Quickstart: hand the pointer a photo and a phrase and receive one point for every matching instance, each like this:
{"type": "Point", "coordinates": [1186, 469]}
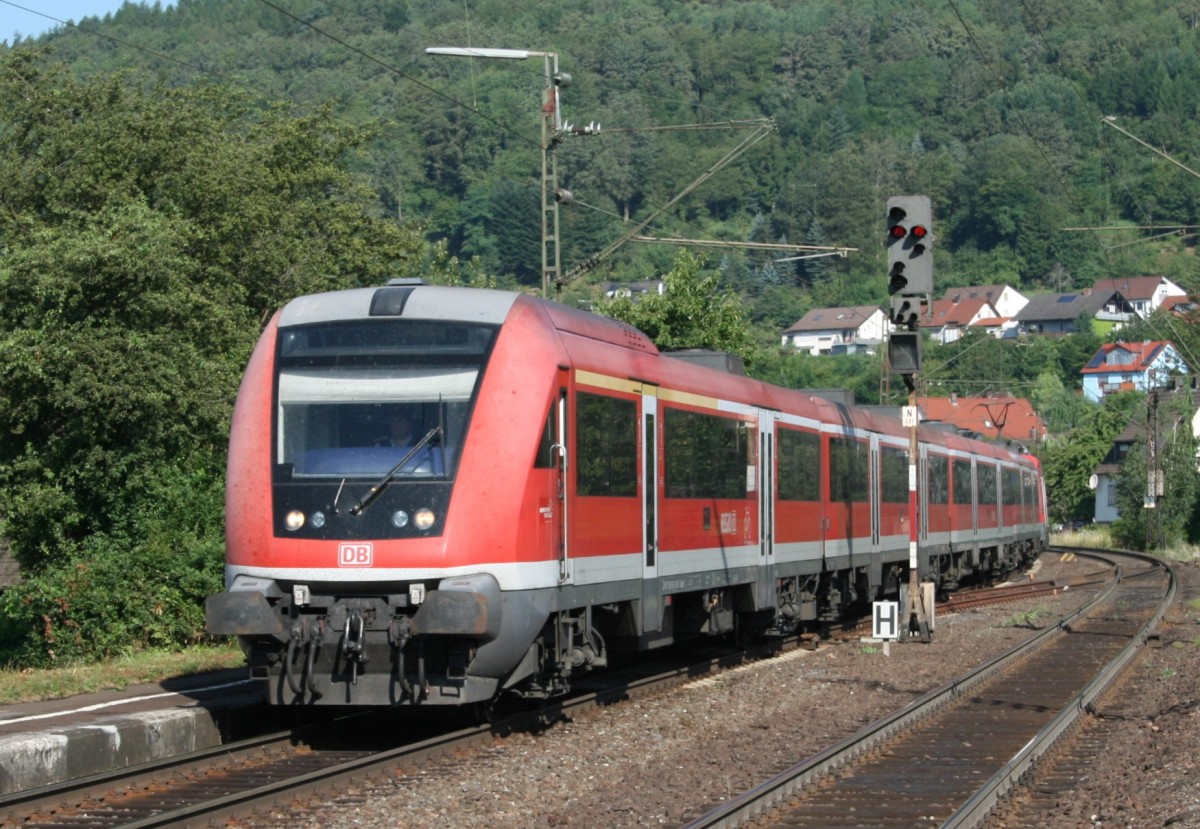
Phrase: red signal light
{"type": "Point", "coordinates": [897, 231]}
{"type": "Point", "coordinates": [919, 231]}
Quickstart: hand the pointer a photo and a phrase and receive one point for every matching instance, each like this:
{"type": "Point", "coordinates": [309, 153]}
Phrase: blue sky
{"type": "Point", "coordinates": [14, 16]}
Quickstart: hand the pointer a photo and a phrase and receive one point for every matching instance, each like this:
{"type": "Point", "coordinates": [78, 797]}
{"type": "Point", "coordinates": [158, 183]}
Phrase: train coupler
{"type": "Point", "coordinates": [353, 643]}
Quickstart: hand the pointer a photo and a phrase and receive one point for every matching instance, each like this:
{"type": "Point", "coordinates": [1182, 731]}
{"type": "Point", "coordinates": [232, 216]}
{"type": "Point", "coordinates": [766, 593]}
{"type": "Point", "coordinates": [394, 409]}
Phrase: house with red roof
{"type": "Point", "coordinates": [1179, 306]}
{"type": "Point", "coordinates": [1138, 366]}
{"type": "Point", "coordinates": [1007, 300]}
{"type": "Point", "coordinates": [1002, 328]}
{"type": "Point", "coordinates": [994, 417]}
{"type": "Point", "coordinates": [948, 318]}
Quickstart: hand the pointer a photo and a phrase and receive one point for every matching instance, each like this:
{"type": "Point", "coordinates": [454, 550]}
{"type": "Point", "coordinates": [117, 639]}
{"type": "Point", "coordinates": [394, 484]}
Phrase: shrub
{"type": "Point", "coordinates": [143, 586]}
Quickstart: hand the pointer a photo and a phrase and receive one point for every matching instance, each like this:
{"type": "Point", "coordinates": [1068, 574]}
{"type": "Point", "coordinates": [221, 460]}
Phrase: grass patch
{"type": "Point", "coordinates": [1026, 618]}
{"type": "Point", "coordinates": [146, 666]}
{"type": "Point", "coordinates": [1099, 536]}
{"type": "Point", "coordinates": [1093, 535]}
{"type": "Point", "coordinates": [1180, 551]}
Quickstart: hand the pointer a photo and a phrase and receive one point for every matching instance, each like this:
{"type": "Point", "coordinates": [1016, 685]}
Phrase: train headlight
{"type": "Point", "coordinates": [399, 519]}
{"type": "Point", "coordinates": [423, 519]}
{"type": "Point", "coordinates": [294, 520]}
{"type": "Point", "coordinates": [318, 519]}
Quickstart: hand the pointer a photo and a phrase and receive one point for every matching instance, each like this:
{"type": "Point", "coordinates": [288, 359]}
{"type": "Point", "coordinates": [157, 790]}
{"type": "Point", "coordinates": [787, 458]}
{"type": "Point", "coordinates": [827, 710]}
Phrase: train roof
{"type": "Point", "coordinates": [431, 302]}
{"type": "Point", "coordinates": [410, 298]}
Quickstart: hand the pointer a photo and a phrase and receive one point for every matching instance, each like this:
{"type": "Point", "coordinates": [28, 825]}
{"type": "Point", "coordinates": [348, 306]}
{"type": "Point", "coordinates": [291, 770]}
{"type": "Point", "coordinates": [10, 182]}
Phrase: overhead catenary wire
{"type": "Point", "coordinates": [759, 134]}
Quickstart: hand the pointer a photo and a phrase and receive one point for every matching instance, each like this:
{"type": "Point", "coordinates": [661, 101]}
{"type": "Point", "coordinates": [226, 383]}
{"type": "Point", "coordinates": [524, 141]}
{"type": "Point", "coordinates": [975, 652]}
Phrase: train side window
{"type": "Point", "coordinates": [894, 475]}
{"type": "Point", "coordinates": [705, 456]}
{"type": "Point", "coordinates": [799, 465]}
{"type": "Point", "coordinates": [962, 483]}
{"type": "Point", "coordinates": [606, 440]}
{"type": "Point", "coordinates": [1011, 489]}
{"type": "Point", "coordinates": [938, 474]}
{"type": "Point", "coordinates": [987, 483]}
{"type": "Point", "coordinates": [848, 460]}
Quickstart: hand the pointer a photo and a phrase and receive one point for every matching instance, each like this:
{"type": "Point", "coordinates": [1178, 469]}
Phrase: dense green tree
{"type": "Point", "coordinates": [1061, 409]}
{"type": "Point", "coordinates": [149, 232]}
{"type": "Point", "coordinates": [1068, 460]}
{"type": "Point", "coordinates": [693, 312]}
{"type": "Point", "coordinates": [1165, 519]}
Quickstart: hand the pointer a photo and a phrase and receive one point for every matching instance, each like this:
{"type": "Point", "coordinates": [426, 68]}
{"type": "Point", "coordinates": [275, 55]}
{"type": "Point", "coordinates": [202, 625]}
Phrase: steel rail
{"type": "Point", "coordinates": [976, 810]}
{"type": "Point", "coordinates": [53, 800]}
{"type": "Point", "coordinates": [768, 794]}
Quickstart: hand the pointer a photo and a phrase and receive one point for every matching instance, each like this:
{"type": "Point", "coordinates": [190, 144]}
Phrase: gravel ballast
{"type": "Point", "coordinates": [658, 761]}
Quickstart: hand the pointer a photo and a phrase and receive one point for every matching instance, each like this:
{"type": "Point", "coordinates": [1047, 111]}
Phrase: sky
{"type": "Point", "coordinates": [19, 15]}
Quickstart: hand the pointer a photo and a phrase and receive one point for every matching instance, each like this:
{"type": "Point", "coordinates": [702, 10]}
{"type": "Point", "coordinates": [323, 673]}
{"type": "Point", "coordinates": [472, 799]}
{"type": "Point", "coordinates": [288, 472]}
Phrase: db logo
{"type": "Point", "coordinates": [355, 555]}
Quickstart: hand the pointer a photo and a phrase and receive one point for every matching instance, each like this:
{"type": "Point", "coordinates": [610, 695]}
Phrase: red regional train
{"type": "Point", "coordinates": [568, 491]}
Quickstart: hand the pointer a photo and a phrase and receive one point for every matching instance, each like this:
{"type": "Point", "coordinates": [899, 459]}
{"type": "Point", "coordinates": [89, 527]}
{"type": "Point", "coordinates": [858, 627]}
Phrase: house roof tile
{"type": "Point", "coordinates": [1000, 416]}
{"type": "Point", "coordinates": [1142, 356]}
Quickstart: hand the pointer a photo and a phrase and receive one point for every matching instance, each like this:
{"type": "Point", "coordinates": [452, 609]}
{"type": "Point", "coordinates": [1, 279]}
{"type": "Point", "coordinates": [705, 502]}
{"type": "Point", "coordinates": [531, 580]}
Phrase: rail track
{"type": "Point", "coordinates": [233, 781]}
{"type": "Point", "coordinates": [948, 758]}
{"type": "Point", "coordinates": [240, 779]}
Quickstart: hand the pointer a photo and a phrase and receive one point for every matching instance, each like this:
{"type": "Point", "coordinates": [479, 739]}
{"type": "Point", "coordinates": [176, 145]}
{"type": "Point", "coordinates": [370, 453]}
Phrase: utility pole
{"type": "Point", "coordinates": [1154, 474]}
{"type": "Point", "coordinates": [553, 129]}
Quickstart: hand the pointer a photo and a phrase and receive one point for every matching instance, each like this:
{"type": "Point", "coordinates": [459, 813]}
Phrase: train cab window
{"type": "Point", "coordinates": [937, 474]}
{"type": "Point", "coordinates": [962, 483]}
{"type": "Point", "coordinates": [799, 465]}
{"type": "Point", "coordinates": [546, 456]}
{"type": "Point", "coordinates": [893, 464]}
{"type": "Point", "coordinates": [353, 398]}
{"type": "Point", "coordinates": [705, 456]}
{"type": "Point", "coordinates": [848, 471]}
{"type": "Point", "coordinates": [606, 460]}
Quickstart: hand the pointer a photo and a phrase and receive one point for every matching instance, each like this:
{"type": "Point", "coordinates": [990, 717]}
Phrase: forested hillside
{"type": "Point", "coordinates": [172, 175]}
{"type": "Point", "coordinates": [994, 110]}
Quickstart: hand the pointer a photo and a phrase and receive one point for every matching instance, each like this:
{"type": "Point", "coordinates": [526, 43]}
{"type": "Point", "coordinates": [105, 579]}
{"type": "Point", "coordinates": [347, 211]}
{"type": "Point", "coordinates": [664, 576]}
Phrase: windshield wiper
{"type": "Point", "coordinates": [375, 490]}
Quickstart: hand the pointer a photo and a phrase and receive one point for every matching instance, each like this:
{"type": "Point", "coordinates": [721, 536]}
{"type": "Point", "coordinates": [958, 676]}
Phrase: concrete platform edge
{"type": "Point", "coordinates": [57, 754]}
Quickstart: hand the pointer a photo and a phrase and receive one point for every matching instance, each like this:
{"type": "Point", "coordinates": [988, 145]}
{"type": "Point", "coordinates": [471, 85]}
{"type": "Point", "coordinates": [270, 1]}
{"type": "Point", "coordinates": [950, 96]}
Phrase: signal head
{"type": "Point", "coordinates": [909, 246]}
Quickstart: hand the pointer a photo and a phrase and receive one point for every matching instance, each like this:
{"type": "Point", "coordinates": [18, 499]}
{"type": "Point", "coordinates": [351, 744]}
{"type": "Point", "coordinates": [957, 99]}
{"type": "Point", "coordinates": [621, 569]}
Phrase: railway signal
{"type": "Point", "coordinates": [910, 285]}
{"type": "Point", "coordinates": [910, 277]}
{"type": "Point", "coordinates": [910, 246]}
{"type": "Point", "coordinates": [904, 352]}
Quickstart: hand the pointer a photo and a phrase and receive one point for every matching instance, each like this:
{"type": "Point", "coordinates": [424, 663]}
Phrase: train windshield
{"type": "Point", "coordinates": [373, 397]}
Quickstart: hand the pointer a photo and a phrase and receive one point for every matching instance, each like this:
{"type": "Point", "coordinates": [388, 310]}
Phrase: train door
{"type": "Point", "coordinates": [652, 600]}
{"type": "Point", "coordinates": [923, 495]}
{"type": "Point", "coordinates": [559, 523]}
{"type": "Point", "coordinates": [974, 501]}
{"type": "Point", "coordinates": [875, 490]}
{"type": "Point", "coordinates": [765, 583]}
